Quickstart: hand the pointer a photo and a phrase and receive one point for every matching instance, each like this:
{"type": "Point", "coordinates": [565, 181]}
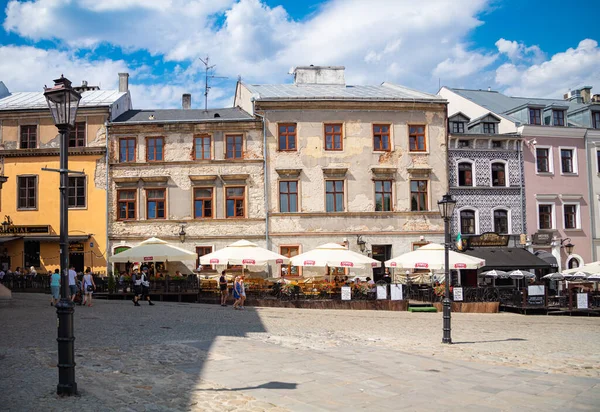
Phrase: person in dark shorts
{"type": "Point", "coordinates": [143, 290]}
{"type": "Point", "coordinates": [223, 288]}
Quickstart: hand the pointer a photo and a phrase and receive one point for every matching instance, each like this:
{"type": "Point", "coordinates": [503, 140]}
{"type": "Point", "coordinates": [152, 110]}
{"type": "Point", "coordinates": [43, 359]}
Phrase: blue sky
{"type": "Point", "coordinates": [519, 47]}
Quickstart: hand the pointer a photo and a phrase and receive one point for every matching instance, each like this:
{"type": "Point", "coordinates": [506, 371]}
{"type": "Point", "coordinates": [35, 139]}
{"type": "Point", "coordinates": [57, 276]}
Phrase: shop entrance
{"type": "Point", "coordinates": [381, 253]}
{"type": "Point", "coordinates": [76, 259]}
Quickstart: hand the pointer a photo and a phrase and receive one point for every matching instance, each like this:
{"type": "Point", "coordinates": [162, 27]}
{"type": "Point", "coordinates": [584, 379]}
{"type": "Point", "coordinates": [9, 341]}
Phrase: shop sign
{"type": "Point", "coordinates": [542, 238]}
{"type": "Point", "coordinates": [489, 239]}
{"type": "Point", "coordinates": [25, 230]}
{"type": "Point", "coordinates": [535, 300]}
{"type": "Point", "coordinates": [148, 258]}
{"type": "Point", "coordinates": [76, 247]}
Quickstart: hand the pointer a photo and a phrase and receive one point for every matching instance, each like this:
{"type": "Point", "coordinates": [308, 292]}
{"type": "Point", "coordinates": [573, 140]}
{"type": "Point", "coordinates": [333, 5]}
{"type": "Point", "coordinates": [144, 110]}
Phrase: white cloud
{"type": "Point", "coordinates": [552, 78]}
{"type": "Point", "coordinates": [463, 63]}
{"type": "Point", "coordinates": [519, 51]}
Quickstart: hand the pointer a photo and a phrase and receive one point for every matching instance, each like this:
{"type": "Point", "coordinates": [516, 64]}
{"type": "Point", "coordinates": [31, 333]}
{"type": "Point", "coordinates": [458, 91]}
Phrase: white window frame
{"type": "Point", "coordinates": [550, 160]}
{"type": "Point", "coordinates": [577, 215]}
{"type": "Point", "coordinates": [552, 219]}
{"type": "Point", "coordinates": [575, 165]}
{"type": "Point", "coordinates": [509, 218]}
{"type": "Point", "coordinates": [458, 219]}
{"type": "Point", "coordinates": [506, 177]}
{"type": "Point", "coordinates": [473, 175]}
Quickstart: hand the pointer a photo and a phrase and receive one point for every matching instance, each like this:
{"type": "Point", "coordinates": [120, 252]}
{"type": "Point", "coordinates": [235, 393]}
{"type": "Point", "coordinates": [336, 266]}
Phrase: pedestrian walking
{"type": "Point", "coordinates": [242, 292]}
{"type": "Point", "coordinates": [136, 280]}
{"type": "Point", "coordinates": [144, 289]}
{"type": "Point", "coordinates": [73, 282]}
{"type": "Point", "coordinates": [237, 295]}
{"type": "Point", "coordinates": [224, 289]}
{"type": "Point", "coordinates": [88, 287]}
{"type": "Point", "coordinates": [55, 287]}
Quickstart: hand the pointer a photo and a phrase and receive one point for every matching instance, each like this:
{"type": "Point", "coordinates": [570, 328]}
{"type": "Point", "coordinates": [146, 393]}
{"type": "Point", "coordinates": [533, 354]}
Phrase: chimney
{"type": "Point", "coordinates": [123, 82]}
{"type": "Point", "coordinates": [325, 75]}
{"type": "Point", "coordinates": [84, 83]}
{"type": "Point", "coordinates": [586, 94]}
{"type": "Point", "coordinates": [186, 101]}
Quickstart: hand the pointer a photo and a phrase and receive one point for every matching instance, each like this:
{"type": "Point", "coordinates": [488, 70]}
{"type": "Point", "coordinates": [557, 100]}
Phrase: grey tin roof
{"type": "Point", "coordinates": [182, 115]}
{"type": "Point", "coordinates": [36, 100]}
{"type": "Point", "coordinates": [385, 91]}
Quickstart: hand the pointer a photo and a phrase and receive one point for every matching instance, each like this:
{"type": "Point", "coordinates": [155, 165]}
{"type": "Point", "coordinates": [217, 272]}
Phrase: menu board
{"type": "Point", "coordinates": [458, 294]}
{"type": "Point", "coordinates": [346, 293]}
{"type": "Point", "coordinates": [536, 290]}
{"type": "Point", "coordinates": [396, 291]}
{"type": "Point", "coordinates": [381, 292]}
{"type": "Point", "coordinates": [582, 301]}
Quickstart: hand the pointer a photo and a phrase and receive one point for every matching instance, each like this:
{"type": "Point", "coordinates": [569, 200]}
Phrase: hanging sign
{"type": "Point", "coordinates": [381, 292]}
{"type": "Point", "coordinates": [346, 293]}
{"type": "Point", "coordinates": [396, 291]}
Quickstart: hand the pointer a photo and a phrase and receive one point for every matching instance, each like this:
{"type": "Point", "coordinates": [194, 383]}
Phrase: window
{"type": "Point", "coordinates": [598, 160]}
{"type": "Point", "coordinates": [496, 144]}
{"type": "Point", "coordinates": [542, 160]}
{"type": "Point", "coordinates": [28, 137]}
{"type": "Point", "coordinates": [234, 148]}
{"type": "Point", "coordinates": [573, 263]}
{"type": "Point", "coordinates": [289, 251]}
{"type": "Point", "coordinates": [288, 196]}
{"type": "Point", "coordinates": [416, 138]}
{"type": "Point", "coordinates": [154, 149]}
{"type": "Point", "coordinates": [126, 206]}
{"type": "Point", "coordinates": [566, 160]}
{"type": "Point", "coordinates": [467, 222]}
{"type": "Point", "coordinates": [287, 137]}
{"type": "Point", "coordinates": [203, 202]}
{"type": "Point", "coordinates": [463, 143]}
{"type": "Point", "coordinates": [383, 195]}
{"type": "Point", "coordinates": [489, 128]}
{"type": "Point", "coordinates": [501, 221]}
{"type": "Point", "coordinates": [127, 149]}
{"type": "Point", "coordinates": [545, 216]}
{"type": "Point", "coordinates": [596, 120]}
{"type": "Point", "coordinates": [570, 212]}
{"type": "Point", "coordinates": [201, 251]}
{"type": "Point", "coordinates": [457, 127]}
{"type": "Point", "coordinates": [27, 192]}
{"type": "Point", "coordinates": [202, 147]}
{"type": "Point", "coordinates": [498, 174]}
{"type": "Point", "coordinates": [465, 174]}
{"type": "Point", "coordinates": [155, 203]}
{"type": "Point", "coordinates": [77, 135]}
{"type": "Point", "coordinates": [381, 137]}
{"type": "Point", "coordinates": [535, 116]}
{"type": "Point", "coordinates": [334, 195]}
{"type": "Point", "coordinates": [234, 200]}
{"type": "Point", "coordinates": [418, 195]}
{"type": "Point", "coordinates": [76, 192]}
{"type": "Point", "coordinates": [31, 253]}
{"type": "Point", "coordinates": [558, 117]}
{"type": "Point", "coordinates": [333, 137]}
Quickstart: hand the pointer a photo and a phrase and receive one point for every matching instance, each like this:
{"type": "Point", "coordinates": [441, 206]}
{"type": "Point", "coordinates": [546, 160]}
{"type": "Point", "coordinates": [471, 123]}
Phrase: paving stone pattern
{"type": "Point", "coordinates": [191, 357]}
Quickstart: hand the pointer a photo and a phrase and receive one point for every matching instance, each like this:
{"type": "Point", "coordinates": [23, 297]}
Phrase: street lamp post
{"type": "Point", "coordinates": [446, 206]}
{"type": "Point", "coordinates": [63, 102]}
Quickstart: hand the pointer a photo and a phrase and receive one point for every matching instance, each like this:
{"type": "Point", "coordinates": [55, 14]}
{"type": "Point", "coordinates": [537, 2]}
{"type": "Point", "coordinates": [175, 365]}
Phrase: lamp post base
{"type": "Point", "coordinates": [66, 348]}
{"type": "Point", "coordinates": [447, 338]}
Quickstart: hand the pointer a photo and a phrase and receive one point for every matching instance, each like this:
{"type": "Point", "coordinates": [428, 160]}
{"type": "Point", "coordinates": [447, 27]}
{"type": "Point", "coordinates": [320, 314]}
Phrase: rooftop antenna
{"type": "Point", "coordinates": [207, 69]}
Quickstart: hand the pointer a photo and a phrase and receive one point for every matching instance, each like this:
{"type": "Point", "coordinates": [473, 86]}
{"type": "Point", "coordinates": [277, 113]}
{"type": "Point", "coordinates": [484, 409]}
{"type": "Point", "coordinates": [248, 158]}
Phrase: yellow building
{"type": "Point", "coordinates": [30, 198]}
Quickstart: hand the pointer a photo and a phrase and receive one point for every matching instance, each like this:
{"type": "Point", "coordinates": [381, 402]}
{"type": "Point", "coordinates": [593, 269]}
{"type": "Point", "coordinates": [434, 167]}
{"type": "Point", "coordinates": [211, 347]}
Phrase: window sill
{"type": "Point", "coordinates": [570, 174]}
{"type": "Point", "coordinates": [544, 173]}
{"type": "Point", "coordinates": [418, 152]}
{"type": "Point", "coordinates": [573, 230]}
{"type": "Point", "coordinates": [26, 209]}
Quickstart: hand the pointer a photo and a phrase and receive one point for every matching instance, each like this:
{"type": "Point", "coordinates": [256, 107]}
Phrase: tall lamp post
{"type": "Point", "coordinates": [446, 206]}
{"type": "Point", "coordinates": [63, 102]}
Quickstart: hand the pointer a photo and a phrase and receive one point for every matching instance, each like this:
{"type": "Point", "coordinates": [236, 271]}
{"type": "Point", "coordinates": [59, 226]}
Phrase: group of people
{"type": "Point", "coordinates": [239, 291]}
{"type": "Point", "coordinates": [141, 286]}
{"type": "Point", "coordinates": [85, 285]}
{"type": "Point", "coordinates": [19, 272]}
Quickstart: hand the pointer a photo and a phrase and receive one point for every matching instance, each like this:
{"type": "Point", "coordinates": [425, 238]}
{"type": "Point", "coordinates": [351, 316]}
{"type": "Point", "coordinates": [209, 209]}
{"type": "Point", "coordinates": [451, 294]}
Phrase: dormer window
{"type": "Point", "coordinates": [457, 127]}
{"type": "Point", "coordinates": [463, 144]}
{"type": "Point", "coordinates": [558, 117]}
{"type": "Point", "coordinates": [596, 120]}
{"type": "Point", "coordinates": [489, 128]}
{"type": "Point", "coordinates": [535, 116]}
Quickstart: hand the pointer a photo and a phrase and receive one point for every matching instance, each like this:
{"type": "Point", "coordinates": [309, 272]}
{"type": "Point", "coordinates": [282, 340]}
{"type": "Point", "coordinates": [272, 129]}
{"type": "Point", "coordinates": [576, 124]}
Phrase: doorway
{"type": "Point", "coordinates": [380, 253]}
{"type": "Point", "coordinates": [76, 259]}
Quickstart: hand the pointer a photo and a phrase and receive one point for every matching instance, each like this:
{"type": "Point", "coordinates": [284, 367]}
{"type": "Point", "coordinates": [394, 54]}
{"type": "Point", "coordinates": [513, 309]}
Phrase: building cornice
{"type": "Point", "coordinates": [54, 151]}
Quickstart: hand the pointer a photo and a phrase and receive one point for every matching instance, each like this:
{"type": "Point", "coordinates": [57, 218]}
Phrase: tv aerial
{"type": "Point", "coordinates": [207, 75]}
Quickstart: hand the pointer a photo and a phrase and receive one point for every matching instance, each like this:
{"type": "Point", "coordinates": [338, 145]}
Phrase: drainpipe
{"type": "Point", "coordinates": [519, 147]}
{"type": "Point", "coordinates": [265, 174]}
{"type": "Point", "coordinates": [107, 195]}
{"type": "Point", "coordinates": [592, 201]}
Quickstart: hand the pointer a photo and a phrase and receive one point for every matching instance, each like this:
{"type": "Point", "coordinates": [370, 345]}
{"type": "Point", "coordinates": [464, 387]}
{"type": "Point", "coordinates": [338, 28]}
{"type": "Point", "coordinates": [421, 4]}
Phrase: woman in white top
{"type": "Point", "coordinates": [88, 287]}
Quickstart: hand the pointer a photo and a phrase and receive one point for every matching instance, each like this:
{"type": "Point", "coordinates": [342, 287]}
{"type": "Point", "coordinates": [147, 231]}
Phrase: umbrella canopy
{"type": "Point", "coordinates": [575, 275]}
{"type": "Point", "coordinates": [242, 252]}
{"type": "Point", "coordinates": [594, 278]}
{"type": "Point", "coordinates": [592, 267]}
{"type": "Point", "coordinates": [554, 276]}
{"type": "Point", "coordinates": [334, 255]}
{"type": "Point", "coordinates": [153, 250]}
{"type": "Point", "coordinates": [520, 274]}
{"type": "Point", "coordinates": [494, 274]}
{"type": "Point", "coordinates": [431, 256]}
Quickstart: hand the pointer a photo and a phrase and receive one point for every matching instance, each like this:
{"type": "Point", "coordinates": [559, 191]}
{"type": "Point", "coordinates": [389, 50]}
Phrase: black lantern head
{"type": "Point", "coordinates": [63, 102]}
{"type": "Point", "coordinates": [569, 248]}
{"type": "Point", "coordinates": [361, 243]}
{"type": "Point", "coordinates": [182, 234]}
{"type": "Point", "coordinates": [446, 206]}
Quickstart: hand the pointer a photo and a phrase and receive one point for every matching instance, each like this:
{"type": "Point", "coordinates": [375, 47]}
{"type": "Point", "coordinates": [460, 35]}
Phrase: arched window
{"type": "Point", "coordinates": [498, 174]}
{"type": "Point", "coordinates": [501, 221]}
{"type": "Point", "coordinates": [573, 263]}
{"type": "Point", "coordinates": [467, 222]}
{"type": "Point", "coordinates": [465, 174]}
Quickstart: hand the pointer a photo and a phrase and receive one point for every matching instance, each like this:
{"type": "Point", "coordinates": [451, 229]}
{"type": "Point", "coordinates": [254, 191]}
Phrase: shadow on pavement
{"type": "Point", "coordinates": [268, 385]}
{"type": "Point", "coordinates": [490, 341]}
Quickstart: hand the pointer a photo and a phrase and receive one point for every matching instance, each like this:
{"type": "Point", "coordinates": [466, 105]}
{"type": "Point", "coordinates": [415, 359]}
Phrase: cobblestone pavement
{"type": "Point", "coordinates": [174, 357]}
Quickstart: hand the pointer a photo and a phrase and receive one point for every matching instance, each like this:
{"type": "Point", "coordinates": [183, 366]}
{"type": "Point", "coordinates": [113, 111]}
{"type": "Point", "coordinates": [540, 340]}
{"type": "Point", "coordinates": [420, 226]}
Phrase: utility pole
{"type": "Point", "coordinates": [207, 68]}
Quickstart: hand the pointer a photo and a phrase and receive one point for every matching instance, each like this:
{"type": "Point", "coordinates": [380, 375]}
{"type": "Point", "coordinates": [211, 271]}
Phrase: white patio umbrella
{"type": "Point", "coordinates": [521, 274]}
{"type": "Point", "coordinates": [494, 273]}
{"type": "Point", "coordinates": [592, 267]}
{"type": "Point", "coordinates": [153, 250]}
{"type": "Point", "coordinates": [575, 275]}
{"type": "Point", "coordinates": [554, 276]}
{"type": "Point", "coordinates": [431, 256]}
{"type": "Point", "coordinates": [594, 278]}
{"type": "Point", "coordinates": [243, 253]}
{"type": "Point", "coordinates": [334, 255]}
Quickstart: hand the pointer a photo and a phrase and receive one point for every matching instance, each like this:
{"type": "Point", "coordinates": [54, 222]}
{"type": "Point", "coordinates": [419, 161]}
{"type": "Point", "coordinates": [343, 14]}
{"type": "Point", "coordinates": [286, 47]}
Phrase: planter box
{"type": "Point", "coordinates": [471, 307]}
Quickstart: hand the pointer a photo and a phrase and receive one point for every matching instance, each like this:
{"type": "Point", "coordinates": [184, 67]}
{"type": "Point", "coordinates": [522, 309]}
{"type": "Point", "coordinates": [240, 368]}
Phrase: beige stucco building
{"type": "Point", "coordinates": [350, 163]}
{"type": "Point", "coordinates": [193, 169]}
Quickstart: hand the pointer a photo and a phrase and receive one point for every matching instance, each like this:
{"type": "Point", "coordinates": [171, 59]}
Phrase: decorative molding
{"type": "Point", "coordinates": [235, 177]}
{"type": "Point", "coordinates": [419, 171]}
{"type": "Point", "coordinates": [155, 179]}
{"type": "Point", "coordinates": [55, 151]}
{"type": "Point", "coordinates": [546, 196]}
{"type": "Point", "coordinates": [203, 179]}
{"type": "Point", "coordinates": [288, 172]}
{"type": "Point", "coordinates": [569, 197]}
{"type": "Point", "coordinates": [383, 172]}
{"type": "Point", "coordinates": [335, 171]}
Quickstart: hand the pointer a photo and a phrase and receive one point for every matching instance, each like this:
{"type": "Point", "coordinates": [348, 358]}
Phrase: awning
{"type": "Point", "coordinates": [56, 238]}
{"type": "Point", "coordinates": [547, 257]}
{"type": "Point", "coordinates": [508, 258]}
{"type": "Point", "coordinates": [8, 239]}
